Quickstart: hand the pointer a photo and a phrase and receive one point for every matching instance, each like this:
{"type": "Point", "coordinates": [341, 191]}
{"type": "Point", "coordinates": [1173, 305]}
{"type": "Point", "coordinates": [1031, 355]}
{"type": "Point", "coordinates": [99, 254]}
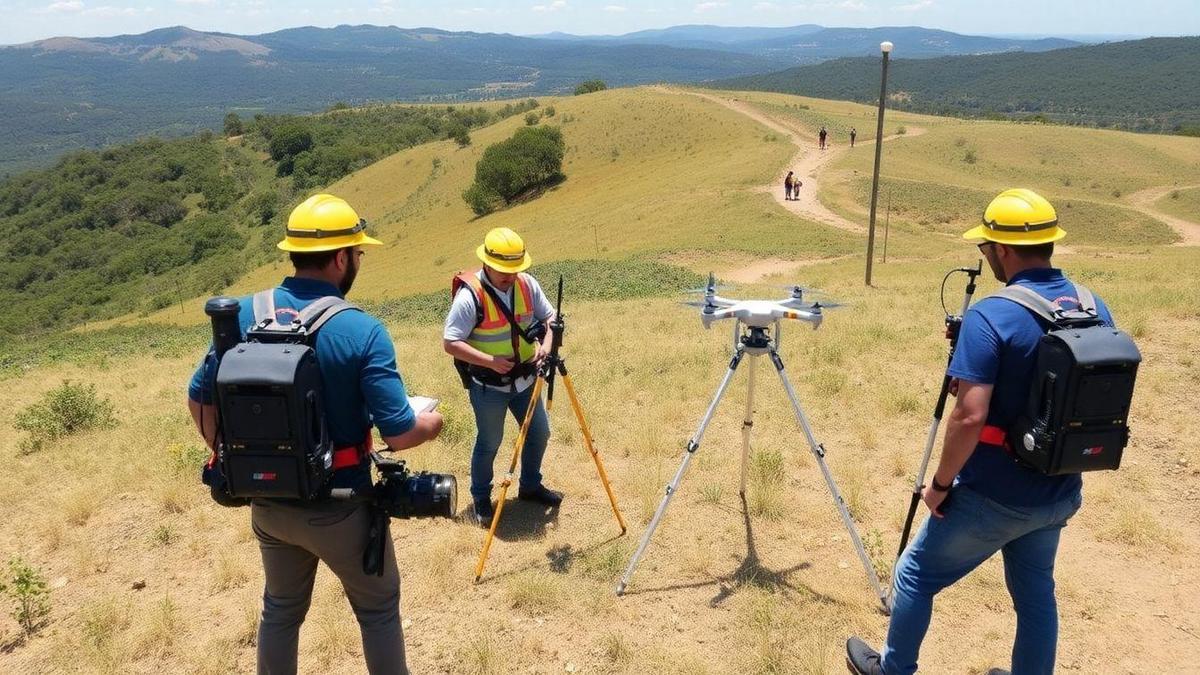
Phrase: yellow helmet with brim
{"type": "Point", "coordinates": [1017, 217]}
{"type": "Point", "coordinates": [324, 223]}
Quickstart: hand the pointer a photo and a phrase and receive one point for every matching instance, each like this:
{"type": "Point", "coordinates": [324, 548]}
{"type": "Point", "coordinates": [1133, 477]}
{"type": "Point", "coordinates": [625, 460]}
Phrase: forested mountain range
{"type": "Point", "coordinates": [1141, 85]}
{"type": "Point", "coordinates": [67, 93]}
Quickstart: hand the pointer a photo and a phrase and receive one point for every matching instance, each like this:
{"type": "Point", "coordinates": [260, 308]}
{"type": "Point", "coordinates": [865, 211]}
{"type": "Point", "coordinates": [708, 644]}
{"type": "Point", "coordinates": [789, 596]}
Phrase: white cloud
{"type": "Point", "coordinates": [915, 6]}
{"type": "Point", "coordinates": [708, 6]}
{"type": "Point", "coordinates": [616, 8]}
{"type": "Point", "coordinates": [109, 11]}
{"type": "Point", "coordinates": [550, 7]}
{"type": "Point", "coordinates": [63, 7]}
{"type": "Point", "coordinates": [766, 7]}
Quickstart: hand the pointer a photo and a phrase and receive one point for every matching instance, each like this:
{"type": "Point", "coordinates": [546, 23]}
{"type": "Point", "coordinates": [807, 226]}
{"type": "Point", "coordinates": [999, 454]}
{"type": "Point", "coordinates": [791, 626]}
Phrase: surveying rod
{"type": "Point", "coordinates": [556, 339]}
{"type": "Point", "coordinates": [953, 324]}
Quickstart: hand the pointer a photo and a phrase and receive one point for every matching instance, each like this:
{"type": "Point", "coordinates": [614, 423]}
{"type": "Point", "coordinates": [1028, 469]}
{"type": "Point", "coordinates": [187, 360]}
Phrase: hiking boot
{"type": "Point", "coordinates": [861, 659]}
{"type": "Point", "coordinates": [483, 512]}
{"type": "Point", "coordinates": [541, 495]}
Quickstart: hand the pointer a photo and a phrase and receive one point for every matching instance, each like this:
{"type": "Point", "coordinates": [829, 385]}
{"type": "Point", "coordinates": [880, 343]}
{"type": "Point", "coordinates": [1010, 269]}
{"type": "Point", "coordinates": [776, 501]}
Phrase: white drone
{"type": "Point", "coordinates": [759, 313]}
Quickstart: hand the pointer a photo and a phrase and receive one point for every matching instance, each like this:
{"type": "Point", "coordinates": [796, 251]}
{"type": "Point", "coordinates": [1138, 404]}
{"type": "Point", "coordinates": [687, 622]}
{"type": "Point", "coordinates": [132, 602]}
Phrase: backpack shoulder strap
{"type": "Point", "coordinates": [1087, 301]}
{"type": "Point", "coordinates": [1031, 300]}
{"type": "Point", "coordinates": [264, 306]}
{"type": "Point", "coordinates": [320, 311]}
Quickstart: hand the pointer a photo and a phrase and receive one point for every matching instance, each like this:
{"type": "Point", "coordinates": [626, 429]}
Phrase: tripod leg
{"type": "Point", "coordinates": [512, 468]}
{"type": "Point", "coordinates": [919, 483]}
{"type": "Point", "coordinates": [587, 439]}
{"type": "Point", "coordinates": [673, 486]}
{"type": "Point", "coordinates": [748, 422]}
{"type": "Point", "coordinates": [818, 451]}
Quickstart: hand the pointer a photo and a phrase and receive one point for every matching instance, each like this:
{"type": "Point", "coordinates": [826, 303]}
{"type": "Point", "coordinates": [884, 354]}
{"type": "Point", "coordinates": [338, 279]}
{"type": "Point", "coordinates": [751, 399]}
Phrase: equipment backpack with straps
{"type": "Point", "coordinates": [273, 441]}
{"type": "Point", "coordinates": [1076, 415]}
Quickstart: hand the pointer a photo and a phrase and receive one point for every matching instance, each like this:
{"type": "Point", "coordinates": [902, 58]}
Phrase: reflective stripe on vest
{"type": "Point", "coordinates": [492, 335]}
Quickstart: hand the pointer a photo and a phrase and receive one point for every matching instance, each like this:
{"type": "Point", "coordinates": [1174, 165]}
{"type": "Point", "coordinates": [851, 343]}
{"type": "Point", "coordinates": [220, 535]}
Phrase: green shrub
{"type": "Point", "coordinates": [532, 158]}
{"type": "Point", "coordinates": [233, 125]}
{"type": "Point", "coordinates": [590, 86]}
{"type": "Point", "coordinates": [549, 111]}
{"type": "Point", "coordinates": [531, 119]}
{"type": "Point", "coordinates": [969, 157]}
{"type": "Point", "coordinates": [64, 410]}
{"type": "Point", "coordinates": [482, 200]}
{"type": "Point", "coordinates": [27, 589]}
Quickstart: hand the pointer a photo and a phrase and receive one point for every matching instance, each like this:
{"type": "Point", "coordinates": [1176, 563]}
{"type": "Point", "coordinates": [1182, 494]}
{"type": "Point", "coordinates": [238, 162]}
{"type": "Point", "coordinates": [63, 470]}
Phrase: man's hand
{"type": "Point", "coordinates": [543, 350]}
{"type": "Point", "coordinates": [427, 428]}
{"type": "Point", "coordinates": [933, 499]}
{"type": "Point", "coordinates": [501, 364]}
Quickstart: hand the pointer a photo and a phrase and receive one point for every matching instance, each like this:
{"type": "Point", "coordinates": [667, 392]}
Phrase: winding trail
{"type": "Point", "coordinates": [1143, 200]}
{"type": "Point", "coordinates": [806, 163]}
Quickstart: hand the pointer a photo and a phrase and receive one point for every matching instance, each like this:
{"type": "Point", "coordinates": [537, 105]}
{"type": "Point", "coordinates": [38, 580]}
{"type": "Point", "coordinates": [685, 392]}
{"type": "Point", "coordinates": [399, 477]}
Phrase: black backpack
{"type": "Point", "coordinates": [1076, 415]}
{"type": "Point", "coordinates": [272, 439]}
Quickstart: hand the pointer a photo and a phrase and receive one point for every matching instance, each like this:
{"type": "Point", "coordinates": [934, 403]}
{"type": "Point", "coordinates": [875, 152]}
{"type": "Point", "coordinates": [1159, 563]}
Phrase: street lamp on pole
{"type": "Point", "coordinates": [886, 49]}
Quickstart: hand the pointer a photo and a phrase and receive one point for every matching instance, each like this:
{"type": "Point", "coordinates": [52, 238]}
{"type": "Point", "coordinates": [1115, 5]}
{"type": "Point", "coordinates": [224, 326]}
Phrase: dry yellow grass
{"type": "Point", "coordinates": [99, 512]}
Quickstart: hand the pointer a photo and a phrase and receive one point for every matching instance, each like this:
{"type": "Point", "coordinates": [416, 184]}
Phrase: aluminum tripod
{"type": "Point", "coordinates": [755, 342]}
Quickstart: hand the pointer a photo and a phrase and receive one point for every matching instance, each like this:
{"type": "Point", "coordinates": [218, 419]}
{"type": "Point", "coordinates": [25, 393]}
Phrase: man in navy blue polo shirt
{"type": "Point", "coordinates": [980, 499]}
{"type": "Point", "coordinates": [362, 389]}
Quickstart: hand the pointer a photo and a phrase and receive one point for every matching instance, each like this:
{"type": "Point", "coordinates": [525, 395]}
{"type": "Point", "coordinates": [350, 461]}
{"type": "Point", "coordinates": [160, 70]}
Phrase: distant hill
{"type": "Point", "coordinates": [1141, 85]}
{"type": "Point", "coordinates": [811, 43]}
{"type": "Point", "coordinates": [68, 93]}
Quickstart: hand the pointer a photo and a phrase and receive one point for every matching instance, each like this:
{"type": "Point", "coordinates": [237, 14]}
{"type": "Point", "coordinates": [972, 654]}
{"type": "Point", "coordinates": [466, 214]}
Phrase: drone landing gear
{"type": "Point", "coordinates": [755, 343]}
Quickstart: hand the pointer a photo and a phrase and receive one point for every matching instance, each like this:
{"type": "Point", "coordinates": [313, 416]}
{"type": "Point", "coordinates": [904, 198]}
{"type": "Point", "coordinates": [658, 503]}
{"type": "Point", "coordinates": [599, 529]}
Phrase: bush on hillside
{"type": "Point", "coordinates": [62, 411]}
{"type": "Point", "coordinates": [590, 86]}
{"type": "Point", "coordinates": [531, 159]}
{"type": "Point", "coordinates": [233, 125]}
{"type": "Point", "coordinates": [531, 119]}
{"type": "Point", "coordinates": [30, 595]}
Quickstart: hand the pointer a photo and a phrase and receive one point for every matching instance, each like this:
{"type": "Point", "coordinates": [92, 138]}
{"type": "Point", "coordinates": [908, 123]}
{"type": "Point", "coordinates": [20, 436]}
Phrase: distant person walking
{"type": "Point", "coordinates": [853, 133]}
{"type": "Point", "coordinates": [787, 187]}
{"type": "Point", "coordinates": [821, 134]}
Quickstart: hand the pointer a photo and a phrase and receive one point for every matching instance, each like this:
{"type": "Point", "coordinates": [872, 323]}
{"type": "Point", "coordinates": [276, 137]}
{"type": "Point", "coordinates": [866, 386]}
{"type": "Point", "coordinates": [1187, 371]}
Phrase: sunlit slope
{"type": "Point", "coordinates": [944, 176]}
{"type": "Point", "coordinates": [646, 172]}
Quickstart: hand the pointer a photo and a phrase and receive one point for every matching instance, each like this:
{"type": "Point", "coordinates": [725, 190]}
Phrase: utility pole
{"type": "Point", "coordinates": [886, 49]}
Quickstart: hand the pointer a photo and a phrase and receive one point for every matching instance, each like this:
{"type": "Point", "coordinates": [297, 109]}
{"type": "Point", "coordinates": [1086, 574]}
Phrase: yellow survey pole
{"type": "Point", "coordinates": [587, 439]}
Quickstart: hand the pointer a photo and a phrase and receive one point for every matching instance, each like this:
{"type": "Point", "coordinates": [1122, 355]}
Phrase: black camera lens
{"type": "Point", "coordinates": [422, 495]}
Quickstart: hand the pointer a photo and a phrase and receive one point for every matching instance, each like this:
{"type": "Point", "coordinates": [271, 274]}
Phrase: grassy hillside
{"type": "Point", "coordinates": [776, 590]}
{"type": "Point", "coordinates": [1182, 203]}
{"type": "Point", "coordinates": [1143, 85]}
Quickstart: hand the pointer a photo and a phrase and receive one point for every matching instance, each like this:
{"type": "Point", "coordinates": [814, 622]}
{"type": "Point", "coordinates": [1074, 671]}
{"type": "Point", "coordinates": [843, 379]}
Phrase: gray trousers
{"type": "Point", "coordinates": [293, 538]}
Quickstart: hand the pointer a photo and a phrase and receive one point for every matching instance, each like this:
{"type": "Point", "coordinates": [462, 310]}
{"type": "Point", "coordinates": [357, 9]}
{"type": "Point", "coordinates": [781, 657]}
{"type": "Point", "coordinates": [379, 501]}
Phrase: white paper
{"type": "Point", "coordinates": [422, 404]}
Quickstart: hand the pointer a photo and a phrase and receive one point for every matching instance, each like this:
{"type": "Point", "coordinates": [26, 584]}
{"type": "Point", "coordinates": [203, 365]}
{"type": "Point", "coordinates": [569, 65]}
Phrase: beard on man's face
{"type": "Point", "coordinates": [351, 272]}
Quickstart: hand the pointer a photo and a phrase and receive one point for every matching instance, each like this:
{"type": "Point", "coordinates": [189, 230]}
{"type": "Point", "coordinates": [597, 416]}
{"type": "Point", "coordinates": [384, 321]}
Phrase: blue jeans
{"type": "Point", "coordinates": [946, 549]}
{"type": "Point", "coordinates": [490, 405]}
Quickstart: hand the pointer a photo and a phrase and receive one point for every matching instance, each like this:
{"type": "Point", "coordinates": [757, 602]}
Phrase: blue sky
{"type": "Point", "coordinates": [27, 20]}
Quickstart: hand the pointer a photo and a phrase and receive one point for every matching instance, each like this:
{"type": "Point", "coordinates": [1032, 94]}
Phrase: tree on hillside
{"type": "Point", "coordinates": [233, 125]}
{"type": "Point", "coordinates": [530, 160]}
{"type": "Point", "coordinates": [590, 86]}
{"type": "Point", "coordinates": [287, 141]}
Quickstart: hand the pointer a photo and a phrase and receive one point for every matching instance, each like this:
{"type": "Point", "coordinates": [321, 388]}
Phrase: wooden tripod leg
{"type": "Point", "coordinates": [512, 467]}
{"type": "Point", "coordinates": [587, 439]}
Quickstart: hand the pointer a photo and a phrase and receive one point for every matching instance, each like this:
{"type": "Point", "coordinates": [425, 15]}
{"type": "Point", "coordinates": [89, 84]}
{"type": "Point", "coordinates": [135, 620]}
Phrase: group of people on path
{"type": "Point", "coordinates": [823, 134]}
{"type": "Point", "coordinates": [791, 187]}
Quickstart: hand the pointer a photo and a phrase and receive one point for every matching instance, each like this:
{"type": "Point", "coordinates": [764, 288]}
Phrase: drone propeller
{"type": "Point", "coordinates": [829, 305]}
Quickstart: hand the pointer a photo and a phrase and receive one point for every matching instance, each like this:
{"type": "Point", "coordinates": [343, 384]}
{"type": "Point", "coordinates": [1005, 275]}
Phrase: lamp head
{"type": "Point", "coordinates": [885, 47]}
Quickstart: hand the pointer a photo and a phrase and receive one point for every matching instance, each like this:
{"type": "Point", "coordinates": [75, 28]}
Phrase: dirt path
{"type": "Point", "coordinates": [1143, 200]}
{"type": "Point", "coordinates": [806, 164]}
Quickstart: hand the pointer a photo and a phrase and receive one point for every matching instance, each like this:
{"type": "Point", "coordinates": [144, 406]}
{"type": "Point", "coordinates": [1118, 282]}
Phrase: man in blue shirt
{"type": "Point", "coordinates": [362, 389]}
{"type": "Point", "coordinates": [996, 504]}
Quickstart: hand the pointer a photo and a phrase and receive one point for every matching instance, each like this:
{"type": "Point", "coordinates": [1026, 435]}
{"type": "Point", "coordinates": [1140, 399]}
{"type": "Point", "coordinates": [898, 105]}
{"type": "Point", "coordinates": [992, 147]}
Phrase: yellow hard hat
{"type": "Point", "coordinates": [504, 251]}
{"type": "Point", "coordinates": [1018, 217]}
{"type": "Point", "coordinates": [324, 223]}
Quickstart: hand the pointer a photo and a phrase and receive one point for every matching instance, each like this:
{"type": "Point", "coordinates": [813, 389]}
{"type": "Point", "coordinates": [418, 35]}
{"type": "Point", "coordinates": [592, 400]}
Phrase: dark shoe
{"type": "Point", "coordinates": [484, 513]}
{"type": "Point", "coordinates": [542, 495]}
{"type": "Point", "coordinates": [999, 671]}
{"type": "Point", "coordinates": [861, 659]}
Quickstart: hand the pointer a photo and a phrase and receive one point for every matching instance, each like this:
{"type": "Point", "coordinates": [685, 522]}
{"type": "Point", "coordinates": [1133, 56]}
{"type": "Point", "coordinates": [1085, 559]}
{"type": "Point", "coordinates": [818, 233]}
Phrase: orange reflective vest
{"type": "Point", "coordinates": [493, 335]}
